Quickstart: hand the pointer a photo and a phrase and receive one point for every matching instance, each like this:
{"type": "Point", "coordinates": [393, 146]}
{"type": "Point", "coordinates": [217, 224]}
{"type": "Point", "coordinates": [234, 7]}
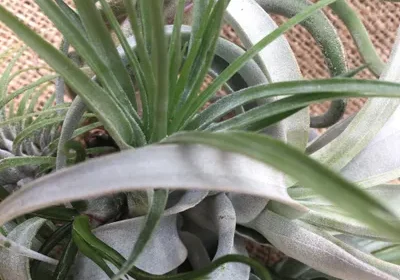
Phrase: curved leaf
{"type": "Point", "coordinates": [171, 166]}
{"type": "Point", "coordinates": [160, 256]}
{"type": "Point", "coordinates": [314, 250]}
{"type": "Point", "coordinates": [12, 265]}
{"type": "Point", "coordinates": [306, 170]}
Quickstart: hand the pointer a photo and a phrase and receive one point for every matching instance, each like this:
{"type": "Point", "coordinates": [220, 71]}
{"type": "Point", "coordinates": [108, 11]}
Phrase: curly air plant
{"type": "Point", "coordinates": [196, 176]}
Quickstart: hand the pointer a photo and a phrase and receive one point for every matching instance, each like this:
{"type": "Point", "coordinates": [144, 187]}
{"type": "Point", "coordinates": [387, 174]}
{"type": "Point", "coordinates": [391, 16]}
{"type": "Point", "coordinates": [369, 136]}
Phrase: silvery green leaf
{"type": "Point", "coordinates": [369, 125]}
{"type": "Point", "coordinates": [330, 219]}
{"type": "Point", "coordinates": [281, 66]}
{"type": "Point", "coordinates": [381, 156]}
{"type": "Point", "coordinates": [197, 253]}
{"type": "Point", "coordinates": [314, 250]}
{"type": "Point", "coordinates": [389, 194]}
{"type": "Point", "coordinates": [247, 207]}
{"type": "Point", "coordinates": [104, 209]}
{"type": "Point", "coordinates": [367, 258]}
{"type": "Point", "coordinates": [253, 277]}
{"type": "Point", "coordinates": [216, 213]}
{"type": "Point", "coordinates": [12, 265]}
{"type": "Point", "coordinates": [171, 166]}
{"type": "Point", "coordinates": [188, 200]}
{"type": "Point", "coordinates": [363, 244]}
{"type": "Point", "coordinates": [164, 252]}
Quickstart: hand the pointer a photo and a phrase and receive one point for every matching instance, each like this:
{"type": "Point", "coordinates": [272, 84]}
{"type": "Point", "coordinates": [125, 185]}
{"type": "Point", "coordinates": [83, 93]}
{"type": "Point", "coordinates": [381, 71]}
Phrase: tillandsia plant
{"type": "Point", "coordinates": [196, 173]}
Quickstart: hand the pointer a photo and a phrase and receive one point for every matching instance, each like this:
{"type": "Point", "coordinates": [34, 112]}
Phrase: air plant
{"type": "Point", "coordinates": [189, 185]}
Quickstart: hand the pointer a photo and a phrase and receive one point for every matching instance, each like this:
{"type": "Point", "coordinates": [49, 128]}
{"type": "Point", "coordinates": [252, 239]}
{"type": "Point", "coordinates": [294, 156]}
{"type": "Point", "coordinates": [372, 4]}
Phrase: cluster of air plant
{"type": "Point", "coordinates": [186, 186]}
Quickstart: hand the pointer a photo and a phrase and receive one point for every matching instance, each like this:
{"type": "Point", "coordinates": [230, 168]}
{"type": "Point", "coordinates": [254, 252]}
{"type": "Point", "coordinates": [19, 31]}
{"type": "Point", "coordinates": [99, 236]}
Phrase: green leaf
{"type": "Point", "coordinates": [159, 201]}
{"type": "Point", "coordinates": [360, 35]}
{"type": "Point", "coordinates": [205, 56]}
{"type": "Point", "coordinates": [95, 97]}
{"type": "Point", "coordinates": [13, 162]}
{"type": "Point", "coordinates": [133, 60]}
{"type": "Point", "coordinates": [160, 67]}
{"type": "Point", "coordinates": [100, 39]}
{"type": "Point", "coordinates": [21, 90]}
{"type": "Point", "coordinates": [43, 113]}
{"type": "Point", "coordinates": [66, 261]}
{"type": "Point", "coordinates": [390, 254]}
{"type": "Point", "coordinates": [175, 52]}
{"type": "Point", "coordinates": [89, 251]}
{"type": "Point", "coordinates": [144, 58]}
{"type": "Point", "coordinates": [307, 171]}
{"type": "Point", "coordinates": [82, 227]}
{"type": "Point", "coordinates": [53, 240]}
{"type": "Point", "coordinates": [32, 129]}
{"type": "Point", "coordinates": [5, 75]}
{"type": "Point", "coordinates": [73, 17]}
{"type": "Point", "coordinates": [57, 213]}
{"type": "Point", "coordinates": [193, 107]}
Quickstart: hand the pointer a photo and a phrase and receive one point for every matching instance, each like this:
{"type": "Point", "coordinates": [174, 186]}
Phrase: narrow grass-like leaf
{"type": "Point", "coordinates": [160, 66]}
{"type": "Point", "coordinates": [184, 74]}
{"type": "Point", "coordinates": [32, 129]}
{"type": "Point", "coordinates": [206, 53]}
{"type": "Point", "coordinates": [89, 251]}
{"type": "Point", "coordinates": [306, 170]}
{"type": "Point", "coordinates": [44, 113]}
{"type": "Point", "coordinates": [5, 75]}
{"type": "Point", "coordinates": [193, 107]}
{"type": "Point", "coordinates": [390, 254]}
{"type": "Point", "coordinates": [21, 90]}
{"type": "Point", "coordinates": [175, 53]}
{"type": "Point", "coordinates": [133, 60]}
{"type": "Point", "coordinates": [66, 261]}
{"type": "Point", "coordinates": [341, 86]}
{"type": "Point", "coordinates": [55, 238]}
{"type": "Point", "coordinates": [97, 99]}
{"type": "Point", "coordinates": [73, 17]}
{"type": "Point", "coordinates": [360, 35]}
{"type": "Point", "coordinates": [143, 55]}
{"type": "Point", "coordinates": [146, 23]}
{"type": "Point", "coordinates": [76, 133]}
{"type": "Point", "coordinates": [13, 162]}
{"type": "Point", "coordinates": [158, 203]}
{"type": "Point", "coordinates": [57, 213]}
{"type": "Point", "coordinates": [100, 38]}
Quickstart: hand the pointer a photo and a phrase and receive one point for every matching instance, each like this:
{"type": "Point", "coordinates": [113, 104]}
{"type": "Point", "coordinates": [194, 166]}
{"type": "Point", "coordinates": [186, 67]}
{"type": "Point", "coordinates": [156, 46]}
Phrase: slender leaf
{"type": "Point", "coordinates": [306, 170]}
{"type": "Point", "coordinates": [192, 108]}
{"type": "Point", "coordinates": [100, 38]}
{"type": "Point", "coordinates": [172, 166]}
{"type": "Point", "coordinates": [160, 67]}
{"type": "Point", "coordinates": [159, 201]}
{"type": "Point", "coordinates": [13, 162]}
{"type": "Point", "coordinates": [102, 104]}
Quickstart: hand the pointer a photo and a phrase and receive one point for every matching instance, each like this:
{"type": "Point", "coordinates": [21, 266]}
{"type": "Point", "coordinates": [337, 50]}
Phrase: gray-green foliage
{"type": "Point", "coordinates": [198, 174]}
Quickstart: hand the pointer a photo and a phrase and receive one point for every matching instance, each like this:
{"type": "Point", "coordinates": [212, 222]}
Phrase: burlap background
{"type": "Point", "coordinates": [381, 19]}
